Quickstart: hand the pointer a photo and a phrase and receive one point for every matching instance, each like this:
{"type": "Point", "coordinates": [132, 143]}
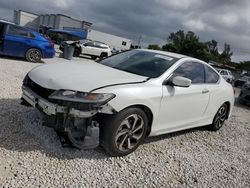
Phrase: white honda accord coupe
{"type": "Point", "coordinates": [120, 100]}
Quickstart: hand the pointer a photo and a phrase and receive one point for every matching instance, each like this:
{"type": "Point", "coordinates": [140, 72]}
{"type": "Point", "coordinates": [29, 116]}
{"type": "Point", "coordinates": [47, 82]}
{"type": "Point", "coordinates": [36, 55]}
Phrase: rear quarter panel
{"type": "Point", "coordinates": [219, 94]}
{"type": "Point", "coordinates": [44, 45]}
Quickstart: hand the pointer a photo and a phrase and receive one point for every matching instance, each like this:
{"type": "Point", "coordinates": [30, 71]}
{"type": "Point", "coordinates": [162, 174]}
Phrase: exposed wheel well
{"type": "Point", "coordinates": [148, 113]}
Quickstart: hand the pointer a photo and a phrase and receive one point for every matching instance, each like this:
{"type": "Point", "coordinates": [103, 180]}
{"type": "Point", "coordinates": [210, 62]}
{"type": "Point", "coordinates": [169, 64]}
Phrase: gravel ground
{"type": "Point", "coordinates": [32, 156]}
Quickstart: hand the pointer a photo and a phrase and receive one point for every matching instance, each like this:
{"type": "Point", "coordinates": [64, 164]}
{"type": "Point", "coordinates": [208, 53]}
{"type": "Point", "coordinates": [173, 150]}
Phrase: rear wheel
{"type": "Point", "coordinates": [219, 118]}
{"type": "Point", "coordinates": [33, 55]}
{"type": "Point", "coordinates": [123, 133]}
{"type": "Point", "coordinates": [103, 55]}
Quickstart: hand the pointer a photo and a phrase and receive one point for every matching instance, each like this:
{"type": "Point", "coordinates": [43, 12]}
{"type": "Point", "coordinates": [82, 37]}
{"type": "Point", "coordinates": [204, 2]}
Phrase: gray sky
{"type": "Point", "coordinates": [222, 20]}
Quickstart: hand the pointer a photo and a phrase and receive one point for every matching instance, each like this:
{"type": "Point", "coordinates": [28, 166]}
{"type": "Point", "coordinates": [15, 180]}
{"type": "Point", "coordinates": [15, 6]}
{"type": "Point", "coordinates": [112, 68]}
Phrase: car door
{"type": "Point", "coordinates": [183, 107]}
{"type": "Point", "coordinates": [99, 48]}
{"type": "Point", "coordinates": [17, 41]}
{"type": "Point", "coordinates": [89, 49]}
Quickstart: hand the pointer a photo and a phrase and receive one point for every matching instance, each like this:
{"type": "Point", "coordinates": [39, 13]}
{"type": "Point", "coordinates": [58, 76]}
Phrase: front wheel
{"type": "Point", "coordinates": [219, 118]}
{"type": "Point", "coordinates": [123, 133]}
{"type": "Point", "coordinates": [33, 55]}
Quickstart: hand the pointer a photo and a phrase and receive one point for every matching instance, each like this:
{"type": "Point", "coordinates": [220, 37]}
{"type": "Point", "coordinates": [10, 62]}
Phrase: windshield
{"type": "Point", "coordinates": [144, 63]}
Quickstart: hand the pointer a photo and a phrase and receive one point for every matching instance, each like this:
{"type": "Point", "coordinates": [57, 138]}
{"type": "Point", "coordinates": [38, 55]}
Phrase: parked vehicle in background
{"type": "Point", "coordinates": [22, 42]}
{"type": "Point", "coordinates": [244, 97]}
{"type": "Point", "coordinates": [134, 94]}
{"type": "Point", "coordinates": [94, 49]}
{"type": "Point", "coordinates": [226, 74]}
{"type": "Point", "coordinates": [119, 43]}
{"type": "Point", "coordinates": [246, 74]}
{"type": "Point", "coordinates": [115, 51]}
{"type": "Point", "coordinates": [241, 81]}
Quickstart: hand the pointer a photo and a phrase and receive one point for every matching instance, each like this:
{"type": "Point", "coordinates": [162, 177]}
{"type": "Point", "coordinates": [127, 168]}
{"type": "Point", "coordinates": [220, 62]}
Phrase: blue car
{"type": "Point", "coordinates": [23, 42]}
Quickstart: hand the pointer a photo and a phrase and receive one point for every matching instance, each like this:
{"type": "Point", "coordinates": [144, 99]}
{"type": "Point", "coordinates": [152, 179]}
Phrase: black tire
{"type": "Point", "coordinates": [219, 118]}
{"type": "Point", "coordinates": [77, 52]}
{"type": "Point", "coordinates": [122, 133]}
{"type": "Point", "coordinates": [103, 55]}
{"type": "Point", "coordinates": [93, 57]}
{"type": "Point", "coordinates": [33, 55]}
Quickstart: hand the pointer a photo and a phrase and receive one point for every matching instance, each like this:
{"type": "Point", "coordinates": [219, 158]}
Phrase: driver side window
{"type": "Point", "coordinates": [191, 70]}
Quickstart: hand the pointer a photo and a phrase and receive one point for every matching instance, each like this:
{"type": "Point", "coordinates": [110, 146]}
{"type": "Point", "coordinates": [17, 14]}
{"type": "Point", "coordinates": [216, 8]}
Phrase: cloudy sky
{"type": "Point", "coordinates": [222, 20]}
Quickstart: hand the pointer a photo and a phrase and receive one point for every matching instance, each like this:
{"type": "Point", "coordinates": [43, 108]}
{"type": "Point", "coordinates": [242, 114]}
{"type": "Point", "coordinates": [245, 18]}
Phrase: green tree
{"type": "Point", "coordinates": [225, 56]}
{"type": "Point", "coordinates": [154, 47]}
{"type": "Point", "coordinates": [212, 53]}
{"type": "Point", "coordinates": [187, 44]}
{"type": "Point", "coordinates": [212, 47]}
{"type": "Point", "coordinates": [244, 65]}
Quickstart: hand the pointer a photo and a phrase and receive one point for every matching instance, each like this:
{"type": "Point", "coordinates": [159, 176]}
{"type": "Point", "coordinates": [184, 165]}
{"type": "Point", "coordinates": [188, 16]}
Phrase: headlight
{"type": "Point", "coordinates": [82, 97]}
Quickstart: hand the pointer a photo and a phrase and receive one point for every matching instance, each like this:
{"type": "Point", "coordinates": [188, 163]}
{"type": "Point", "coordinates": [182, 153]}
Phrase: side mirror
{"type": "Point", "coordinates": [179, 81]}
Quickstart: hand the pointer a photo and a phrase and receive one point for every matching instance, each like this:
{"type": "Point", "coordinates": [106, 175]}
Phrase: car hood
{"type": "Point", "coordinates": [86, 76]}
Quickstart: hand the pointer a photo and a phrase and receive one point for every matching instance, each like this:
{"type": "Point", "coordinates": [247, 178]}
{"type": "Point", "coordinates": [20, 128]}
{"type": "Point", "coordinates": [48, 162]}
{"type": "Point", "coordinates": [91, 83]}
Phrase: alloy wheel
{"type": "Point", "coordinates": [220, 117]}
{"type": "Point", "coordinates": [34, 55]}
{"type": "Point", "coordinates": [129, 133]}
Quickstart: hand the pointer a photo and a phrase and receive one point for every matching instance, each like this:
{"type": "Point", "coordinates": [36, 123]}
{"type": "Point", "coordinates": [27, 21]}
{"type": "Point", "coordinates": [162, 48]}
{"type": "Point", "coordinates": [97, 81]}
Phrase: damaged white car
{"type": "Point", "coordinates": [120, 100]}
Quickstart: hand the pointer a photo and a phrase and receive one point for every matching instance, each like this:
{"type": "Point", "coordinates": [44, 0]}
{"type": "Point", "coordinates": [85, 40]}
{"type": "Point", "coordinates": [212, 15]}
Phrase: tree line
{"type": "Point", "coordinates": [188, 43]}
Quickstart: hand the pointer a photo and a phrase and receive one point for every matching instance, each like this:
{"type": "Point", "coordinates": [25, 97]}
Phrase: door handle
{"type": "Point", "coordinates": [205, 91]}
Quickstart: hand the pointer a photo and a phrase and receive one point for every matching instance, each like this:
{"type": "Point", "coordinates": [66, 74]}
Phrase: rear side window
{"type": "Point", "coordinates": [18, 31]}
{"type": "Point", "coordinates": [192, 70]}
{"type": "Point", "coordinates": [211, 76]}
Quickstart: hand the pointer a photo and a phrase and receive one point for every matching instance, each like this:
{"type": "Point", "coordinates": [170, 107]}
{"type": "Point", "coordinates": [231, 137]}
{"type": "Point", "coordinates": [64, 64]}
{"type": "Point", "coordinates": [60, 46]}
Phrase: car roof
{"type": "Point", "coordinates": [175, 55]}
{"type": "Point", "coordinates": [89, 40]}
{"type": "Point", "coordinates": [11, 23]}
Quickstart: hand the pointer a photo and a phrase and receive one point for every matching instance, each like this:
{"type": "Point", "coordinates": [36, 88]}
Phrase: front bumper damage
{"type": "Point", "coordinates": [68, 120]}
